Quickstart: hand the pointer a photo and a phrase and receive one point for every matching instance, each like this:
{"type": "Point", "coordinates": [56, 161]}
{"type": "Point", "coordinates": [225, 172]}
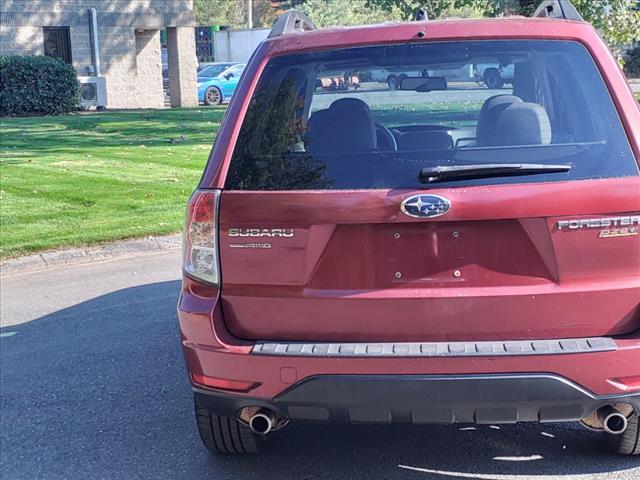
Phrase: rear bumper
{"type": "Point", "coordinates": [426, 399]}
{"type": "Point", "coordinates": [486, 388]}
{"type": "Point", "coordinates": [602, 373]}
{"type": "Point", "coordinates": [537, 380]}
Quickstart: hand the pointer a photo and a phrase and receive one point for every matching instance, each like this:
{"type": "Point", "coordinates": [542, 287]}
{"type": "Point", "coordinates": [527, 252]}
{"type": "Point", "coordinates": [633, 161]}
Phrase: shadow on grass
{"type": "Point", "coordinates": [83, 132]}
{"type": "Point", "coordinates": [24, 138]}
{"type": "Point", "coordinates": [98, 390]}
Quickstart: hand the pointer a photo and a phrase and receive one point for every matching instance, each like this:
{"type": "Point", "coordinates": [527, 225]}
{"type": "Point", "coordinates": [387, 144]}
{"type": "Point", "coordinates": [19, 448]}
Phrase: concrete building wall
{"type": "Point", "coordinates": [237, 45]}
{"type": "Point", "coordinates": [129, 38]}
{"type": "Point", "coordinates": [149, 68]}
{"type": "Point", "coordinates": [183, 64]}
{"type": "Point", "coordinates": [21, 40]}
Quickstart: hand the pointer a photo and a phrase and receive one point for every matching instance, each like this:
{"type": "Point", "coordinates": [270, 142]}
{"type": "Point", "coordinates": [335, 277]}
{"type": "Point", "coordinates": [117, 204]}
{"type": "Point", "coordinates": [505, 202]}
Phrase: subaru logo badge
{"type": "Point", "coordinates": [425, 206]}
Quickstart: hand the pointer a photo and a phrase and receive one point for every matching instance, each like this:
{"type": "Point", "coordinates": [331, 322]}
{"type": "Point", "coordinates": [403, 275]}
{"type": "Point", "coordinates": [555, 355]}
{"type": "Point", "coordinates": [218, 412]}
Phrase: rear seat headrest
{"type": "Point", "coordinates": [486, 127]}
{"type": "Point", "coordinates": [351, 104]}
{"type": "Point", "coordinates": [523, 124]}
{"type": "Point", "coordinates": [346, 126]}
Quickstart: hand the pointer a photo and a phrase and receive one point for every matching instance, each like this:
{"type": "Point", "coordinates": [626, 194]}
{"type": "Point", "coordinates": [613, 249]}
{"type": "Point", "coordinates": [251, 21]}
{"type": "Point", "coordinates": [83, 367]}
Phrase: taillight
{"type": "Point", "coordinates": [200, 239]}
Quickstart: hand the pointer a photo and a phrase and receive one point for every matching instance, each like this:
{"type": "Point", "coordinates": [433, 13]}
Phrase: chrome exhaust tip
{"type": "Point", "coordinates": [613, 421]}
{"type": "Point", "coordinates": [262, 422]}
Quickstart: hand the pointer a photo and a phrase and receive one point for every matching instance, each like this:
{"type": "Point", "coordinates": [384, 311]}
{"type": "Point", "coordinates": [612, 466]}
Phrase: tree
{"type": "Point", "coordinates": [283, 5]}
{"type": "Point", "coordinates": [346, 12]}
{"type": "Point", "coordinates": [233, 13]}
{"type": "Point", "coordinates": [438, 8]}
{"type": "Point", "coordinates": [617, 20]}
{"type": "Point", "coordinates": [218, 12]}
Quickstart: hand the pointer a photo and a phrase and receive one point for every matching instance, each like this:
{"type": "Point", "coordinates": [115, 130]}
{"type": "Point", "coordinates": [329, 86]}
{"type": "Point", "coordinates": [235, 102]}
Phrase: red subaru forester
{"type": "Point", "coordinates": [429, 250]}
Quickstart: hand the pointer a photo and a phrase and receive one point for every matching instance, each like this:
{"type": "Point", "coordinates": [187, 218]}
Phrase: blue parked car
{"type": "Point", "coordinates": [217, 82]}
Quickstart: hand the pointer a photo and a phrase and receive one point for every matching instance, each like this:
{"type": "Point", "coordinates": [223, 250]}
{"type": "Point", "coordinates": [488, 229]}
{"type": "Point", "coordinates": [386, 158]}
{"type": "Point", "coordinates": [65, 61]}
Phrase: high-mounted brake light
{"type": "Point", "coordinates": [200, 239]}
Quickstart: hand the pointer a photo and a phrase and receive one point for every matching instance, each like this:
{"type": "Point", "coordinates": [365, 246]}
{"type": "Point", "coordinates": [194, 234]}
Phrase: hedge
{"type": "Point", "coordinates": [37, 86]}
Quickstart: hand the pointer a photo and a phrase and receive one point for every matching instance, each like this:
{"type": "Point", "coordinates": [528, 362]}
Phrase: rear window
{"type": "Point", "coordinates": [375, 117]}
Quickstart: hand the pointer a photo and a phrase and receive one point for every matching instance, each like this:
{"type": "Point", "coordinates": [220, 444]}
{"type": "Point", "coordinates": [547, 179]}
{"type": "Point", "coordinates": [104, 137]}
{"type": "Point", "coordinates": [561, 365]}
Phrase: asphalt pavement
{"type": "Point", "coordinates": [92, 385]}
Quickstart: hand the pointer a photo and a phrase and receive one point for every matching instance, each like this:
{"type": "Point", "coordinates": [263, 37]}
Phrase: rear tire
{"type": "Point", "coordinates": [492, 79]}
{"type": "Point", "coordinates": [225, 435]}
{"type": "Point", "coordinates": [392, 82]}
{"type": "Point", "coordinates": [627, 443]}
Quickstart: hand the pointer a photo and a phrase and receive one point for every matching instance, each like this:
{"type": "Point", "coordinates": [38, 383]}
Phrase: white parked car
{"type": "Point", "coordinates": [492, 75]}
{"type": "Point", "coordinates": [392, 77]}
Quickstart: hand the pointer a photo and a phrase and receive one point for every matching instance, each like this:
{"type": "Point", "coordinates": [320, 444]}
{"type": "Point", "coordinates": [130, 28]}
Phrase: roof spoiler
{"type": "Point", "coordinates": [558, 9]}
{"type": "Point", "coordinates": [291, 21]}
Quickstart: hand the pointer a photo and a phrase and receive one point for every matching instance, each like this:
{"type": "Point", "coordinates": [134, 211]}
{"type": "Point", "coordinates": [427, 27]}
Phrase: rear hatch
{"type": "Point", "coordinates": [338, 222]}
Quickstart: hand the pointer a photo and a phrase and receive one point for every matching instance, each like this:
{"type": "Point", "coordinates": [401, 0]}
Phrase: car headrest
{"type": "Point", "coordinates": [350, 104]}
{"type": "Point", "coordinates": [486, 128]}
{"type": "Point", "coordinates": [525, 82]}
{"type": "Point", "coordinates": [347, 126]}
{"type": "Point", "coordinates": [523, 124]}
{"type": "Point", "coordinates": [318, 128]}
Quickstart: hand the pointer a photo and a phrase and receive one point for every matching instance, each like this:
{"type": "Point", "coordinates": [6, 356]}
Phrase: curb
{"type": "Point", "coordinates": [75, 256]}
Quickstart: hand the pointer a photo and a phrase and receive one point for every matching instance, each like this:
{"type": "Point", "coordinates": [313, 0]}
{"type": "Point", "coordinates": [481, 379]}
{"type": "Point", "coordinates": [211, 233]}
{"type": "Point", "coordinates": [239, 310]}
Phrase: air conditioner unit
{"type": "Point", "coordinates": [93, 91]}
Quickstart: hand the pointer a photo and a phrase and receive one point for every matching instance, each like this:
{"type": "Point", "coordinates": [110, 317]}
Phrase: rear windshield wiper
{"type": "Point", "coordinates": [458, 172]}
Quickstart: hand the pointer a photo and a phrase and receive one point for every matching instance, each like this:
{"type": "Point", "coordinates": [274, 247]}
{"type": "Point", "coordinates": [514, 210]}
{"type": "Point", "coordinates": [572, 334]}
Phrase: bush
{"type": "Point", "coordinates": [632, 62]}
{"type": "Point", "coordinates": [37, 86]}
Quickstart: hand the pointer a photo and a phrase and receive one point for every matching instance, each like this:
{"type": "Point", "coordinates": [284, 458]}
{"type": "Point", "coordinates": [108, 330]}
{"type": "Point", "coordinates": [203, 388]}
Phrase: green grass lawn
{"type": "Point", "coordinates": [87, 178]}
{"type": "Point", "coordinates": [454, 114]}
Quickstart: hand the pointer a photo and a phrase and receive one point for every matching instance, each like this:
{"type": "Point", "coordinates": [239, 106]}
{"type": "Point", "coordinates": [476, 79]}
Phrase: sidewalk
{"type": "Point", "coordinates": [74, 256]}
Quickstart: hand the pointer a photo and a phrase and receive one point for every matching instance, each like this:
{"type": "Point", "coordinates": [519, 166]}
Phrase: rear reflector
{"type": "Point", "coordinates": [627, 383]}
{"type": "Point", "coordinates": [223, 383]}
{"type": "Point", "coordinates": [200, 242]}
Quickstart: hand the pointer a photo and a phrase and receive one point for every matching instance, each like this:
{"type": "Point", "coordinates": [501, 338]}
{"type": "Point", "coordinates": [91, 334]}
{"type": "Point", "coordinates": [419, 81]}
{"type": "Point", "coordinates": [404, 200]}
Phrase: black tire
{"type": "Point", "coordinates": [627, 443]}
{"type": "Point", "coordinates": [392, 82]}
{"type": "Point", "coordinates": [225, 435]}
{"type": "Point", "coordinates": [492, 79]}
{"type": "Point", "coordinates": [212, 96]}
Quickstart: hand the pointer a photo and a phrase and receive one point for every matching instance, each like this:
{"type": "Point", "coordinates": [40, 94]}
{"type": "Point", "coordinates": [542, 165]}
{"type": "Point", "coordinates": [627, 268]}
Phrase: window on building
{"type": "Point", "coordinates": [57, 43]}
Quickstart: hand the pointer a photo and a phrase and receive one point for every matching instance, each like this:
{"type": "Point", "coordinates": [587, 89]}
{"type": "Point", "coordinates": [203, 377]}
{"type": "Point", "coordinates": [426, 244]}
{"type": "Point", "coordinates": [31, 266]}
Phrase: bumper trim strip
{"type": "Point", "coordinates": [437, 349]}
